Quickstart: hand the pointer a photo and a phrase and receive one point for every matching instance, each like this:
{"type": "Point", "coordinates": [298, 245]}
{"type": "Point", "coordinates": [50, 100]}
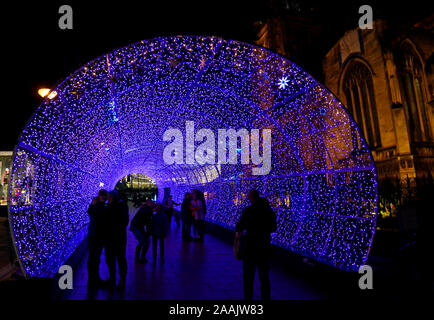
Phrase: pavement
{"type": "Point", "coordinates": [191, 271]}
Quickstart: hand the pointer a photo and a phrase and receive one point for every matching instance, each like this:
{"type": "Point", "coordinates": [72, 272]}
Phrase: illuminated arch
{"type": "Point", "coordinates": [108, 118]}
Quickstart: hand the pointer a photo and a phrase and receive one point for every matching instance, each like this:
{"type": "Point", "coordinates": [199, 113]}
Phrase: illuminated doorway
{"type": "Point", "coordinates": [137, 188]}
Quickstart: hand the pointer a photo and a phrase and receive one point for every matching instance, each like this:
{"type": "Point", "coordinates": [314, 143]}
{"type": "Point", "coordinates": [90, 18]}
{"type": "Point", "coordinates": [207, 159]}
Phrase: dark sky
{"type": "Point", "coordinates": [37, 53]}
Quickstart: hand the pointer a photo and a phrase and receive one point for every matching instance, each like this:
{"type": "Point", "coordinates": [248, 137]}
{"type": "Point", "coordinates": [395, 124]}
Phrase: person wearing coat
{"type": "Point", "coordinates": [97, 213]}
{"type": "Point", "coordinates": [160, 227]}
{"type": "Point", "coordinates": [186, 218]}
{"type": "Point", "coordinates": [140, 227]}
{"type": "Point", "coordinates": [116, 238]}
{"type": "Point", "coordinates": [257, 222]}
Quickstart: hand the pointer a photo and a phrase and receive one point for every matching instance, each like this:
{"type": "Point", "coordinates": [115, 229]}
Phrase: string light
{"type": "Point", "coordinates": [108, 120]}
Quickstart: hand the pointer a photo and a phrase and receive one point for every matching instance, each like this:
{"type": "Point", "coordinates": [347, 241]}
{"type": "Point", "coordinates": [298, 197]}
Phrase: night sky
{"type": "Point", "coordinates": [37, 53]}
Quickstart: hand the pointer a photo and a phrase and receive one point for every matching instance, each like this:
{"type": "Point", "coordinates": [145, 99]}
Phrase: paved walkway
{"type": "Point", "coordinates": [6, 268]}
{"type": "Point", "coordinates": [191, 271]}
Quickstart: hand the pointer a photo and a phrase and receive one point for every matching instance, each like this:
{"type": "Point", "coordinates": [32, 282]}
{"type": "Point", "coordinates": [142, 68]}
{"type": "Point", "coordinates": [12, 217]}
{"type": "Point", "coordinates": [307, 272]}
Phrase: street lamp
{"type": "Point", "coordinates": [45, 92]}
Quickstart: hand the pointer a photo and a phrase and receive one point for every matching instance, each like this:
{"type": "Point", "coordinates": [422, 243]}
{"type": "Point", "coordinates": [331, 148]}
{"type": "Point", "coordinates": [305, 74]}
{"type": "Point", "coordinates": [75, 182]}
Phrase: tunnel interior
{"type": "Point", "coordinates": [107, 120]}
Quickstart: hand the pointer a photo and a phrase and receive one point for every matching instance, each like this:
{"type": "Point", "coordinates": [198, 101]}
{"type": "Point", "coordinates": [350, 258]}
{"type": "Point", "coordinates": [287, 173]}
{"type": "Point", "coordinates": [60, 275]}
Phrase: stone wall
{"type": "Point", "coordinates": [397, 156]}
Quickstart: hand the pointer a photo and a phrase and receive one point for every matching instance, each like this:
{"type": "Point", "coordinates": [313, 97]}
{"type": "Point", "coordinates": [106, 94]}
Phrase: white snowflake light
{"type": "Point", "coordinates": [283, 82]}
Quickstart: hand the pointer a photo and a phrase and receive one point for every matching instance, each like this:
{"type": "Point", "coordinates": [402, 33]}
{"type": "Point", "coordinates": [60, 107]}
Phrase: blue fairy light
{"type": "Point", "coordinates": [108, 119]}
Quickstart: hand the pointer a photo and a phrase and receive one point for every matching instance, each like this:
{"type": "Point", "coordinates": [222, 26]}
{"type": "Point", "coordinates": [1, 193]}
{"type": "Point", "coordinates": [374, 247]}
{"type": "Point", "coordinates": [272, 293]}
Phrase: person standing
{"type": "Point", "coordinates": [177, 216]}
{"type": "Point", "coordinates": [195, 208]}
{"type": "Point", "coordinates": [138, 227]}
{"type": "Point", "coordinates": [186, 218]}
{"type": "Point", "coordinates": [160, 227]}
{"type": "Point", "coordinates": [198, 209]}
{"type": "Point", "coordinates": [258, 221]}
{"type": "Point", "coordinates": [116, 238]}
{"type": "Point", "coordinates": [202, 214]}
{"type": "Point", "coordinates": [168, 209]}
{"type": "Point", "coordinates": [97, 212]}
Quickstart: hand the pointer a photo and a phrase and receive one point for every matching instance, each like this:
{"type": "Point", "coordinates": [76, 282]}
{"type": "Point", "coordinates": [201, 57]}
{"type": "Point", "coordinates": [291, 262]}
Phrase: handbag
{"type": "Point", "coordinates": [239, 246]}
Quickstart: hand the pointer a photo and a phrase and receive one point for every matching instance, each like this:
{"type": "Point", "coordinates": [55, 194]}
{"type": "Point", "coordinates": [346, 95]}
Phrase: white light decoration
{"type": "Point", "coordinates": [283, 82]}
{"type": "Point", "coordinates": [108, 119]}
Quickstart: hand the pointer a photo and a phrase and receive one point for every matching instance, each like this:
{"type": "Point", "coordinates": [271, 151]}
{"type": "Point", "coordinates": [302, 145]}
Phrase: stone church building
{"type": "Point", "coordinates": [385, 77]}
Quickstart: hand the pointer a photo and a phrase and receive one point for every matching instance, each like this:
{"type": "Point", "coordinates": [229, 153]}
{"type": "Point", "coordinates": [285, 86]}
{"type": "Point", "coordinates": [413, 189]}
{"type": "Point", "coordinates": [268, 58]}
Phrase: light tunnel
{"type": "Point", "coordinates": [108, 119]}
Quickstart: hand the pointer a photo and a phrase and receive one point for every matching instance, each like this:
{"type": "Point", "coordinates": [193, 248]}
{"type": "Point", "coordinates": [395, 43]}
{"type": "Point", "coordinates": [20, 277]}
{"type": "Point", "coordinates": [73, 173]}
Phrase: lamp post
{"type": "Point", "coordinates": [45, 92]}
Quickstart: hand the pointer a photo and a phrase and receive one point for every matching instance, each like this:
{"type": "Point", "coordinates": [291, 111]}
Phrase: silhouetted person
{"type": "Point", "coordinates": [140, 227]}
{"type": "Point", "coordinates": [177, 217]}
{"type": "Point", "coordinates": [160, 227]}
{"type": "Point", "coordinates": [258, 221]}
{"type": "Point", "coordinates": [117, 212]}
{"type": "Point", "coordinates": [195, 208]}
{"type": "Point", "coordinates": [168, 209]}
{"type": "Point", "coordinates": [186, 218]}
{"type": "Point", "coordinates": [202, 214]}
{"type": "Point", "coordinates": [95, 240]}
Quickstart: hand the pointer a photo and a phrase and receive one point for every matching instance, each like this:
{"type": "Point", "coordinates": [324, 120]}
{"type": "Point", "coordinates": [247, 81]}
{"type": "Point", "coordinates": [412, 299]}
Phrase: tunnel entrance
{"type": "Point", "coordinates": [137, 188]}
{"type": "Point", "coordinates": [108, 119]}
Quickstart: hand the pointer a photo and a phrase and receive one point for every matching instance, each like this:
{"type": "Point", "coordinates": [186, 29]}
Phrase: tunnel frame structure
{"type": "Point", "coordinates": [271, 104]}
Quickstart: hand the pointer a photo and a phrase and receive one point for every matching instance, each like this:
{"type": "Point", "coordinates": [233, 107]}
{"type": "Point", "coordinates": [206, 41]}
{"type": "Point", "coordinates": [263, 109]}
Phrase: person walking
{"type": "Point", "coordinates": [160, 227]}
{"type": "Point", "coordinates": [138, 227]}
{"type": "Point", "coordinates": [257, 221]}
{"type": "Point", "coordinates": [186, 218]}
{"type": "Point", "coordinates": [116, 237]}
{"type": "Point", "coordinates": [198, 209]}
{"type": "Point", "coordinates": [97, 212]}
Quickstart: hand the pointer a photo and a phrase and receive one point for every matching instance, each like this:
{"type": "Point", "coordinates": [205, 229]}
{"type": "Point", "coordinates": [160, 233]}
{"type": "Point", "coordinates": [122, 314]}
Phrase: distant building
{"type": "Point", "coordinates": [138, 186]}
{"type": "Point", "coordinates": [291, 30]}
{"type": "Point", "coordinates": [7, 257]}
{"type": "Point", "coordinates": [385, 77]}
{"type": "Point", "coordinates": [5, 169]}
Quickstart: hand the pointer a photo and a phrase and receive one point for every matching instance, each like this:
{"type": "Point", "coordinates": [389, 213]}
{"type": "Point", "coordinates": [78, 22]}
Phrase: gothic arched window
{"type": "Point", "coordinates": [359, 92]}
{"type": "Point", "coordinates": [411, 79]}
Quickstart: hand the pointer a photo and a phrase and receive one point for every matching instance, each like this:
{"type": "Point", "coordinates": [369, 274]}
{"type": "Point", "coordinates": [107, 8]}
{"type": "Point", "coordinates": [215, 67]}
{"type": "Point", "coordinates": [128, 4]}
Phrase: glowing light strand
{"type": "Point", "coordinates": [107, 119]}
